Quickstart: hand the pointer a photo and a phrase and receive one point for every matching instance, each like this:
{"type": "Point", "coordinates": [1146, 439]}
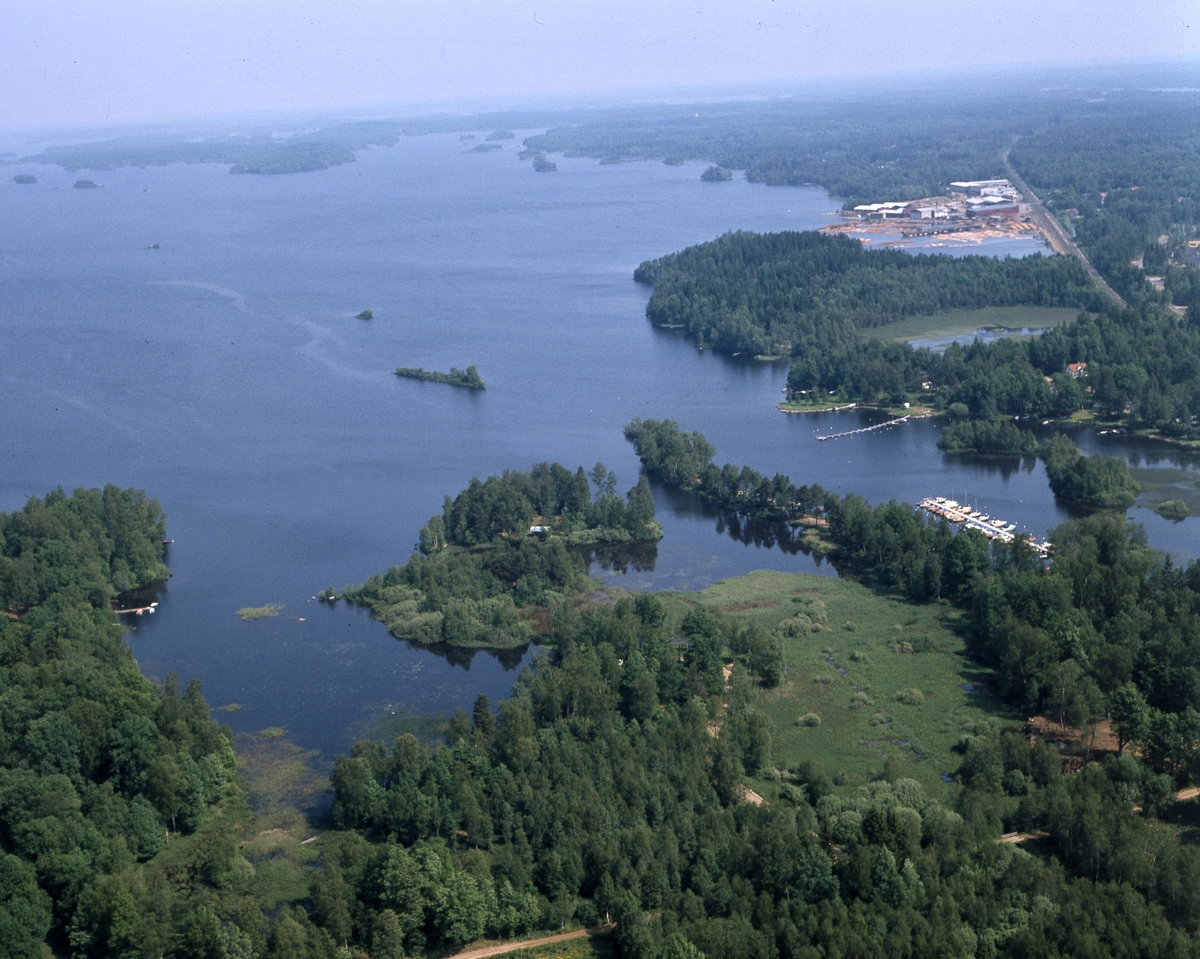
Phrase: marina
{"type": "Point", "coordinates": [969, 518]}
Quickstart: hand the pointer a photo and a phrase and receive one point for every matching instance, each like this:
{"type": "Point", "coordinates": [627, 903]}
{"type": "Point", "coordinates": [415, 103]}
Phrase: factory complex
{"type": "Point", "coordinates": [970, 200]}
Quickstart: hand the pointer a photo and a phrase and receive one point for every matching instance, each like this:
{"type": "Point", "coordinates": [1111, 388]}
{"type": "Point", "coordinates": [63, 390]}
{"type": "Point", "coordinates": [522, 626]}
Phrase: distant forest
{"type": "Point", "coordinates": [1119, 166]}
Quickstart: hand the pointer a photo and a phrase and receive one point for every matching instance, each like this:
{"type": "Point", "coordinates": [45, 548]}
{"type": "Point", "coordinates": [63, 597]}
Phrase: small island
{"type": "Point", "coordinates": [364, 315]}
{"type": "Point", "coordinates": [502, 135]}
{"type": "Point", "coordinates": [456, 377]}
{"type": "Point", "coordinates": [1172, 509]}
{"type": "Point", "coordinates": [86, 185]}
{"type": "Point", "coordinates": [1098, 481]}
{"type": "Point", "coordinates": [542, 165]}
{"type": "Point", "coordinates": [716, 174]}
{"type": "Point", "coordinates": [997, 436]}
{"type": "Point", "coordinates": [486, 148]}
{"type": "Point", "coordinates": [25, 179]}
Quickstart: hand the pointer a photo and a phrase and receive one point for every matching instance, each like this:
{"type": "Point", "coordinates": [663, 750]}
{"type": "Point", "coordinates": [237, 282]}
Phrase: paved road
{"type": "Point", "coordinates": [504, 947]}
{"type": "Point", "coordinates": [1058, 237]}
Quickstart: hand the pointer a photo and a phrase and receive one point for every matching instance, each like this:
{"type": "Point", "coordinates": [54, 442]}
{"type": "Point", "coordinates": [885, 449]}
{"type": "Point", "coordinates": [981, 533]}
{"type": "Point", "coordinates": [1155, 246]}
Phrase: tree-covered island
{"type": "Point", "coordinates": [1099, 481]}
{"type": "Point", "coordinates": [1000, 436]}
{"type": "Point", "coordinates": [456, 377]}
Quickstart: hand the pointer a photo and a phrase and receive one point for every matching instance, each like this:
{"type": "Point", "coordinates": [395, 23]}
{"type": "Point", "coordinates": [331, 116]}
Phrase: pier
{"type": "Point", "coordinates": [136, 610]}
{"type": "Point", "coordinates": [865, 429]}
{"type": "Point", "coordinates": [969, 518]}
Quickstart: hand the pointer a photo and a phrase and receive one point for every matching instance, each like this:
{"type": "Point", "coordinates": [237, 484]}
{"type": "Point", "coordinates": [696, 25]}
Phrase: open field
{"type": "Point", "coordinates": [959, 322]}
{"type": "Point", "coordinates": [885, 678]}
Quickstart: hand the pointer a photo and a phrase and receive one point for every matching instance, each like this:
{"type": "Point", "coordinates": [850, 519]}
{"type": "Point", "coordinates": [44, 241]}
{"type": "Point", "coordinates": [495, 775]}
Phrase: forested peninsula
{"type": "Point", "coordinates": [116, 797]}
{"type": "Point", "coordinates": [456, 377]}
{"type": "Point", "coordinates": [819, 295]}
{"type": "Point", "coordinates": [782, 292]}
{"type": "Point", "coordinates": [503, 552]}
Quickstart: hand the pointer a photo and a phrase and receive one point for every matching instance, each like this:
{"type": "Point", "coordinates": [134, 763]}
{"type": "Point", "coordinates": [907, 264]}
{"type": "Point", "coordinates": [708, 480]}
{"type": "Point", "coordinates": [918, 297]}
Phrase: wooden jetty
{"type": "Point", "coordinates": [137, 610]}
{"type": "Point", "coordinates": [865, 429]}
{"type": "Point", "coordinates": [969, 518]}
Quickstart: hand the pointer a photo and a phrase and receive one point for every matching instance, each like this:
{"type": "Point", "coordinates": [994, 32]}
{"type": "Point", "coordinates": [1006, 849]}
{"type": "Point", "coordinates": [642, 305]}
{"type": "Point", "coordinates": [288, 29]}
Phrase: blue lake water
{"type": "Point", "coordinates": [225, 373]}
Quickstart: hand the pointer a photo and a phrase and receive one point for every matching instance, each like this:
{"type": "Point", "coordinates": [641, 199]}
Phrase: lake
{"type": "Point", "coordinates": [224, 372]}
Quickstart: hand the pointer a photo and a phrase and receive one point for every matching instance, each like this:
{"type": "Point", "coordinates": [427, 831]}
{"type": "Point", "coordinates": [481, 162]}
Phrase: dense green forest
{"type": "Point", "coordinates": [811, 293]}
{"type": "Point", "coordinates": [987, 436]}
{"type": "Point", "coordinates": [1096, 480]}
{"type": "Point", "coordinates": [819, 296]}
{"type": "Point", "coordinates": [456, 377]}
{"type": "Point", "coordinates": [612, 782]}
{"type": "Point", "coordinates": [502, 547]}
{"type": "Point", "coordinates": [101, 771]}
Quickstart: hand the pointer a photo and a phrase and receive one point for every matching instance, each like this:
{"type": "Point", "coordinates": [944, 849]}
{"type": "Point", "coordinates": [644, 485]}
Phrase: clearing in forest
{"type": "Point", "coordinates": [867, 676]}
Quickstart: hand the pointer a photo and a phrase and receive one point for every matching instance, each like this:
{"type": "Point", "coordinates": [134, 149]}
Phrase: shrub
{"type": "Point", "coordinates": [910, 697]}
{"type": "Point", "coordinates": [809, 720]}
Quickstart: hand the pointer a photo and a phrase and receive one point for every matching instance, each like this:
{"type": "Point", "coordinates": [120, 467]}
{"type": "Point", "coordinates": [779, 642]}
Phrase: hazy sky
{"type": "Point", "coordinates": [113, 61]}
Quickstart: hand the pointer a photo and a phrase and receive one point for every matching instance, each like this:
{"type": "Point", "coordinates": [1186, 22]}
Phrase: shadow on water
{"type": "Point", "coordinates": [620, 557]}
{"type": "Point", "coordinates": [991, 463]}
{"type": "Point", "coordinates": [761, 533]}
{"type": "Point", "coordinates": [142, 596]}
{"type": "Point", "coordinates": [462, 656]}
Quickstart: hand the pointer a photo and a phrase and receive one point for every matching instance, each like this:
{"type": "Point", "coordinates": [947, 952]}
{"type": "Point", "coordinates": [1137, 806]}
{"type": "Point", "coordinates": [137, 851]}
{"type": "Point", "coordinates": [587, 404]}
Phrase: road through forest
{"type": "Point", "coordinates": [1053, 229]}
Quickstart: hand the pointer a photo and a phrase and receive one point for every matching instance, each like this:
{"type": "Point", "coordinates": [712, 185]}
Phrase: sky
{"type": "Point", "coordinates": [106, 62]}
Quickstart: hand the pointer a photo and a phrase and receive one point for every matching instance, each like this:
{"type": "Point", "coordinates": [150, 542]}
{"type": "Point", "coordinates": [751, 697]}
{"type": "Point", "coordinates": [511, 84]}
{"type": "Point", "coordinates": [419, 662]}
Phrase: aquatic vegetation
{"type": "Point", "coordinates": [456, 377]}
{"type": "Point", "coordinates": [1172, 509]}
{"type": "Point", "coordinates": [247, 613]}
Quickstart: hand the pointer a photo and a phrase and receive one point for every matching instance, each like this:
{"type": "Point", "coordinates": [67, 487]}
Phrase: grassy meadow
{"type": "Point", "coordinates": [958, 322]}
{"type": "Point", "coordinates": [867, 677]}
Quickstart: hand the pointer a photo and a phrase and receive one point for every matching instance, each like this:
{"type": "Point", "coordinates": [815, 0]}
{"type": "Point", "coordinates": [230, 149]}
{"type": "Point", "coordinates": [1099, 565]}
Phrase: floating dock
{"type": "Point", "coordinates": [865, 429]}
{"type": "Point", "coordinates": [969, 518]}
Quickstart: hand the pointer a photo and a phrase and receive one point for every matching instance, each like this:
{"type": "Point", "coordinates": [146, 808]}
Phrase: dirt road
{"type": "Point", "coordinates": [502, 948]}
